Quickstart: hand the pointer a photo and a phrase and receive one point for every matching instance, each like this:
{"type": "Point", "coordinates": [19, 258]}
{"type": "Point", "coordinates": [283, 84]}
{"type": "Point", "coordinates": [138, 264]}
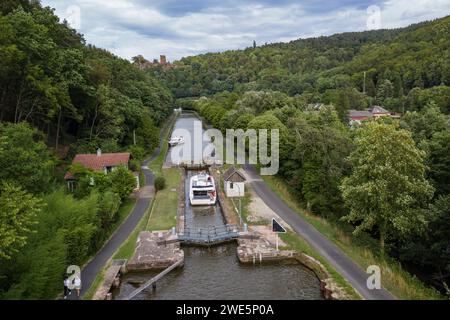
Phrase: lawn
{"type": "Point", "coordinates": [362, 249]}
{"type": "Point", "coordinates": [165, 207]}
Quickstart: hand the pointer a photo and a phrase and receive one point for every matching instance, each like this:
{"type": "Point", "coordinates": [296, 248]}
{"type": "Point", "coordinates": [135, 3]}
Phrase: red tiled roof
{"type": "Point", "coordinates": [98, 163]}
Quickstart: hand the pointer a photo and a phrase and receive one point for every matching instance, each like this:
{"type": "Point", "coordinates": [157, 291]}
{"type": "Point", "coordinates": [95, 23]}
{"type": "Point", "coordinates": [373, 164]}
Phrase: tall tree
{"type": "Point", "coordinates": [387, 190]}
{"type": "Point", "coordinates": [24, 158]}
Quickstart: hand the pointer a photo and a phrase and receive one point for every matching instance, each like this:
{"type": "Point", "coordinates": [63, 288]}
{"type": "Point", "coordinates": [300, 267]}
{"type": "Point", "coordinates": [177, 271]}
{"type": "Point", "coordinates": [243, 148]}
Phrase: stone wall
{"type": "Point", "coordinates": [227, 209]}
{"type": "Point", "coordinates": [181, 203]}
{"type": "Point", "coordinates": [331, 290]}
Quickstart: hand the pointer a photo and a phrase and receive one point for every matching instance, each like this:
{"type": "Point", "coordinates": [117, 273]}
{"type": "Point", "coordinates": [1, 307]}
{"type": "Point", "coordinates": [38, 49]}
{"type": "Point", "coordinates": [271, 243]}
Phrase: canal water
{"type": "Point", "coordinates": [215, 272]}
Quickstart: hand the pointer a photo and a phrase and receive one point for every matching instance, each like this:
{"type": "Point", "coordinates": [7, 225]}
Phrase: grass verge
{"type": "Point", "coordinates": [165, 205]}
{"type": "Point", "coordinates": [362, 249]}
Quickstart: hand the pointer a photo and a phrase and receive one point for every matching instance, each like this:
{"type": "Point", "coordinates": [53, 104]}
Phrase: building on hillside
{"type": "Point", "coordinates": [234, 183]}
{"type": "Point", "coordinates": [144, 64]}
{"type": "Point", "coordinates": [100, 162]}
{"type": "Point", "coordinates": [355, 117]}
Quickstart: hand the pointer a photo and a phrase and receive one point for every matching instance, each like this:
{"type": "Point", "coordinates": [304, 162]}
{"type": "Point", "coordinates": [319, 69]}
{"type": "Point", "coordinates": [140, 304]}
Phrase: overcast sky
{"type": "Point", "coordinates": [179, 28]}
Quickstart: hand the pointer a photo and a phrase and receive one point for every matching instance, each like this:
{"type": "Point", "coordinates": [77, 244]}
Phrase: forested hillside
{"type": "Point", "coordinates": [405, 68]}
{"type": "Point", "coordinates": [58, 97]}
{"type": "Point", "coordinates": [386, 180]}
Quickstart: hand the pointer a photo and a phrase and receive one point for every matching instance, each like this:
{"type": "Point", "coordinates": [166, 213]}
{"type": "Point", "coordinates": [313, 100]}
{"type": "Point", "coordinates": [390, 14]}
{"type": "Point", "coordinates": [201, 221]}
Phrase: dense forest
{"type": "Point", "coordinates": [404, 69]}
{"type": "Point", "coordinates": [59, 97]}
{"type": "Point", "coordinates": [388, 179]}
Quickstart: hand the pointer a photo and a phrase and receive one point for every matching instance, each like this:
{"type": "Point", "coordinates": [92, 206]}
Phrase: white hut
{"type": "Point", "coordinates": [234, 183]}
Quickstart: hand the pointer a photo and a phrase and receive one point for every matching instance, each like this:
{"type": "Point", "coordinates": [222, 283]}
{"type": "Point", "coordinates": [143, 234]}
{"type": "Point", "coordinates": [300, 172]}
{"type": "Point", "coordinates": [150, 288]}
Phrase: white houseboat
{"type": "Point", "coordinates": [202, 191]}
{"type": "Point", "coordinates": [175, 141]}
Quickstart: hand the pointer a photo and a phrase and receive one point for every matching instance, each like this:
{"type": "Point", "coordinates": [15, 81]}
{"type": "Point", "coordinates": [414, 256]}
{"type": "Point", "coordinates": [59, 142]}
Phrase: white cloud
{"type": "Point", "coordinates": [128, 28]}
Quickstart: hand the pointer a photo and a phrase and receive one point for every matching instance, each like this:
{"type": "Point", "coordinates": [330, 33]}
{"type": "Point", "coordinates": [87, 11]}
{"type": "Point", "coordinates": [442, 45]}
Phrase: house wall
{"type": "Point", "coordinates": [238, 189]}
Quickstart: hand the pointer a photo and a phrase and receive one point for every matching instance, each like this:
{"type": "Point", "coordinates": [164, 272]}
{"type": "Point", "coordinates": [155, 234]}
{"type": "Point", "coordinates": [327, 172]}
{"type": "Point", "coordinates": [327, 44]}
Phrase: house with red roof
{"type": "Point", "coordinates": [99, 162]}
{"type": "Point", "coordinates": [356, 116]}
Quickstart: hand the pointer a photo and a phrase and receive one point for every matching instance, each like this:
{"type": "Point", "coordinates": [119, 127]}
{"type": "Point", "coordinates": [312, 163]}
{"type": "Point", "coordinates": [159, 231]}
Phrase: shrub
{"type": "Point", "coordinates": [123, 182]}
{"type": "Point", "coordinates": [108, 207]}
{"type": "Point", "coordinates": [160, 183]}
{"type": "Point", "coordinates": [137, 152]}
{"type": "Point", "coordinates": [135, 165]}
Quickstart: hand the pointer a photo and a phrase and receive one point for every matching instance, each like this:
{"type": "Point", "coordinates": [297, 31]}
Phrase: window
{"type": "Point", "coordinates": [231, 185]}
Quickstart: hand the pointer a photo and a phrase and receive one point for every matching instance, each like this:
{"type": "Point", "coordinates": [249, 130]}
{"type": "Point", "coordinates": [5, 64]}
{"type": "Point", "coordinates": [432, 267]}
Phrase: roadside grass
{"type": "Point", "coordinates": [165, 204]}
{"type": "Point", "coordinates": [126, 250]}
{"type": "Point", "coordinates": [362, 249]}
{"type": "Point", "coordinates": [156, 164]}
{"type": "Point", "coordinates": [245, 203]}
{"type": "Point", "coordinates": [124, 211]}
{"type": "Point", "coordinates": [89, 295]}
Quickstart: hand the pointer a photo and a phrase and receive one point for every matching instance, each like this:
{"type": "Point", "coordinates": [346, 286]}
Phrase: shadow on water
{"type": "Point", "coordinates": [215, 272]}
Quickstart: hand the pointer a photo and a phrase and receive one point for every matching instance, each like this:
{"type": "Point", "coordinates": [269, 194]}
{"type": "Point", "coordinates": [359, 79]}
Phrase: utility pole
{"type": "Point", "coordinates": [364, 83]}
{"type": "Point", "coordinates": [134, 137]}
{"type": "Point", "coordinates": [240, 213]}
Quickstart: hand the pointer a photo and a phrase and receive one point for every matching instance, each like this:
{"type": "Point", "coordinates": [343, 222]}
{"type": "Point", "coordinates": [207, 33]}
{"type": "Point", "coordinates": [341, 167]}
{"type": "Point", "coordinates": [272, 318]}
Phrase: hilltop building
{"type": "Point", "coordinates": [144, 64]}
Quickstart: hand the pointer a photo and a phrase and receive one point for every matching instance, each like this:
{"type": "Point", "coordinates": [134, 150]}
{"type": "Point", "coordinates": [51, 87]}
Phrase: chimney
{"type": "Point", "coordinates": [99, 152]}
{"type": "Point", "coordinates": [162, 59]}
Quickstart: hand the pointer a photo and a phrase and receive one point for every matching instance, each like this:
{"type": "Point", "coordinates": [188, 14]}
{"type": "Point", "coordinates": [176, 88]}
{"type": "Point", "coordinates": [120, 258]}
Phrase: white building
{"type": "Point", "coordinates": [234, 183]}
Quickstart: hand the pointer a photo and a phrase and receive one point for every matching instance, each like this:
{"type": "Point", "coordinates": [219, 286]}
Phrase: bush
{"type": "Point", "coordinates": [123, 182]}
{"type": "Point", "coordinates": [160, 183]}
{"type": "Point", "coordinates": [135, 165]}
{"type": "Point", "coordinates": [137, 152]}
{"type": "Point", "coordinates": [108, 206]}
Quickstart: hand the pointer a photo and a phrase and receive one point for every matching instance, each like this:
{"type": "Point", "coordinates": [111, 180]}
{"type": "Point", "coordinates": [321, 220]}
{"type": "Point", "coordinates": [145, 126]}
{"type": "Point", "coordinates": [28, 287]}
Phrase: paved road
{"type": "Point", "coordinates": [339, 260]}
{"type": "Point", "coordinates": [94, 266]}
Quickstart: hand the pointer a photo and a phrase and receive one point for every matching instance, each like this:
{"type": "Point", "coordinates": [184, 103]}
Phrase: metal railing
{"type": "Point", "coordinates": [209, 235]}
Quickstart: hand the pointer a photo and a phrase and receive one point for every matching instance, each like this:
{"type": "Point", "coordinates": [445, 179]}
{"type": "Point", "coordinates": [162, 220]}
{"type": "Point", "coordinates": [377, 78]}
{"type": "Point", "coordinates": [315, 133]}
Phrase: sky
{"type": "Point", "coordinates": [179, 28]}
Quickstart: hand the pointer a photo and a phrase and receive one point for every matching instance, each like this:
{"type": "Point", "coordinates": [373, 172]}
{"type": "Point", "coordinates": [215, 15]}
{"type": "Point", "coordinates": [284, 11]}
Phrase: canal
{"type": "Point", "coordinates": [215, 272]}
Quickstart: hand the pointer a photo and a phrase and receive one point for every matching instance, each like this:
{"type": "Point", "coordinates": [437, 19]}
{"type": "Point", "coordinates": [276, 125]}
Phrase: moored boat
{"type": "Point", "coordinates": [202, 190]}
{"type": "Point", "coordinates": [175, 141]}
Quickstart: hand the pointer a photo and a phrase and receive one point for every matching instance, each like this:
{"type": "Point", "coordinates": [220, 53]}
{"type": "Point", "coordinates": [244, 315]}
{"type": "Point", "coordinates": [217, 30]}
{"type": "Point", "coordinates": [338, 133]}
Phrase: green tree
{"type": "Point", "coordinates": [385, 91]}
{"type": "Point", "coordinates": [123, 181]}
{"type": "Point", "coordinates": [387, 190]}
{"type": "Point", "coordinates": [270, 122]}
{"type": "Point", "coordinates": [424, 123]}
{"type": "Point", "coordinates": [18, 215]}
{"type": "Point", "coordinates": [439, 161]}
{"type": "Point", "coordinates": [321, 145]}
{"type": "Point", "coordinates": [108, 206]}
{"type": "Point", "coordinates": [24, 158]}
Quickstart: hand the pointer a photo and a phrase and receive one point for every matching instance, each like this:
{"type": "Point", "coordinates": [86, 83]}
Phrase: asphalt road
{"type": "Point", "coordinates": [94, 266]}
{"type": "Point", "coordinates": [345, 266]}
